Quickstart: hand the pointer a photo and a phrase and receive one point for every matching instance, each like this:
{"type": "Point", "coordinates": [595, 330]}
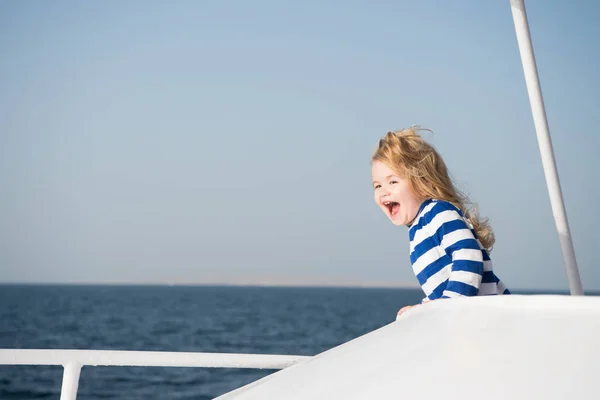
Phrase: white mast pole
{"type": "Point", "coordinates": [545, 144]}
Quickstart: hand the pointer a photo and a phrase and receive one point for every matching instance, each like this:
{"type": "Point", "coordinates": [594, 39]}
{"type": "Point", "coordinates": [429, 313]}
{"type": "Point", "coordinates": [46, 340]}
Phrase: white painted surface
{"type": "Point", "coordinates": [496, 347]}
{"type": "Point", "coordinates": [70, 382]}
{"type": "Point", "coordinates": [146, 358]}
{"type": "Point", "coordinates": [545, 144]}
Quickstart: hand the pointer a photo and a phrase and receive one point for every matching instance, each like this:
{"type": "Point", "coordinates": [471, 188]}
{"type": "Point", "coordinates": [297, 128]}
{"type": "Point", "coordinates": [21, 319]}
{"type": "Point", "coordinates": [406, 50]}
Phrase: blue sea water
{"type": "Point", "coordinates": [265, 320]}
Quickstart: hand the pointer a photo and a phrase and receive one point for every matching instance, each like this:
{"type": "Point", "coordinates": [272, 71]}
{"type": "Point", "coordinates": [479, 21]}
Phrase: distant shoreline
{"type": "Point", "coordinates": [215, 284]}
{"type": "Point", "coordinates": [273, 285]}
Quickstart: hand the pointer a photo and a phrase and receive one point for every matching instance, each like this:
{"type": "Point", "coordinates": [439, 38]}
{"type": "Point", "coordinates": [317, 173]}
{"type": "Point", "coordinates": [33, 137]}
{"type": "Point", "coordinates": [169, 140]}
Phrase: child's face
{"type": "Point", "coordinates": [394, 195]}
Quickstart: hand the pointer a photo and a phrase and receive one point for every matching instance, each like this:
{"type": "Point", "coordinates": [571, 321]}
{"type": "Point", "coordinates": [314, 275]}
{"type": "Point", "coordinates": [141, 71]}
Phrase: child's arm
{"type": "Point", "coordinates": [467, 258]}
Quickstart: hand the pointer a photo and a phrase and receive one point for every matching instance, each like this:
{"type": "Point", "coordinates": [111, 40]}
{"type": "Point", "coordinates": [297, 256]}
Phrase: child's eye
{"type": "Point", "coordinates": [393, 182]}
{"type": "Point", "coordinates": [376, 186]}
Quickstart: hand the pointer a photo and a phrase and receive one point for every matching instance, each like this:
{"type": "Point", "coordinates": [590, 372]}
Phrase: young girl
{"type": "Point", "coordinates": [449, 244]}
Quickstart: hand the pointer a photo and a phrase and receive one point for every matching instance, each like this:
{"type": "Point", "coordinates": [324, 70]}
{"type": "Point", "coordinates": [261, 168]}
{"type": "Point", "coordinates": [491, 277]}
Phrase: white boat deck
{"type": "Point", "coordinates": [497, 347]}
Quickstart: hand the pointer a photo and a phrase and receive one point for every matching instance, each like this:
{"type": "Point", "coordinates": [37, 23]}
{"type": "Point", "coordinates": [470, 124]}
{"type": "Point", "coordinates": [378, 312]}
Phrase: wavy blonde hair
{"type": "Point", "coordinates": [417, 161]}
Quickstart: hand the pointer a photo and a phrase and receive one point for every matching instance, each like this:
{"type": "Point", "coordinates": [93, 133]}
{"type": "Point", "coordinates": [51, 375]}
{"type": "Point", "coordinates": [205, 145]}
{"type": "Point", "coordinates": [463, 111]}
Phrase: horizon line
{"type": "Point", "coordinates": [263, 284]}
{"type": "Point", "coordinates": [214, 284]}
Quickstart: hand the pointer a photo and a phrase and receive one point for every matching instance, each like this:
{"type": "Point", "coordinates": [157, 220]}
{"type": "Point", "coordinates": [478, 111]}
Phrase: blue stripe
{"type": "Point", "coordinates": [422, 248]}
{"type": "Point", "coordinates": [468, 265]}
{"type": "Point", "coordinates": [433, 269]}
{"type": "Point", "coordinates": [486, 256]}
{"type": "Point", "coordinates": [463, 244]}
{"type": "Point", "coordinates": [462, 288]}
{"type": "Point", "coordinates": [438, 291]}
{"type": "Point", "coordinates": [489, 277]}
{"type": "Point", "coordinates": [450, 226]}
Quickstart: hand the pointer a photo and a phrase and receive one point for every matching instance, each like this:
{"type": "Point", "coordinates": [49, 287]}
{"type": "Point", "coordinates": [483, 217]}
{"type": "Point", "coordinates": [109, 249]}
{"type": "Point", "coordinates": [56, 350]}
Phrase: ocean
{"type": "Point", "coordinates": [228, 319]}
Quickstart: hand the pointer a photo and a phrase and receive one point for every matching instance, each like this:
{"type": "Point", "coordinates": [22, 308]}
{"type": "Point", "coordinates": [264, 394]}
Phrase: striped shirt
{"type": "Point", "coordinates": [447, 258]}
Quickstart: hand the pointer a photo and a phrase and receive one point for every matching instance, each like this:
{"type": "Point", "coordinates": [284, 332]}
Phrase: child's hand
{"type": "Point", "coordinates": [403, 309]}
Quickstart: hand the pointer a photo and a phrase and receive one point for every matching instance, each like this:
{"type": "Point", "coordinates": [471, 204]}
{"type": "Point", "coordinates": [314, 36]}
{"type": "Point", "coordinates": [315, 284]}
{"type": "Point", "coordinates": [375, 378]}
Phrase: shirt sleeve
{"type": "Point", "coordinates": [458, 241]}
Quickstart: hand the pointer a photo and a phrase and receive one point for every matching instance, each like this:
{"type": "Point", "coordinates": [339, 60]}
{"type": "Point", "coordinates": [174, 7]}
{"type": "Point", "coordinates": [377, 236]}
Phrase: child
{"type": "Point", "coordinates": [449, 244]}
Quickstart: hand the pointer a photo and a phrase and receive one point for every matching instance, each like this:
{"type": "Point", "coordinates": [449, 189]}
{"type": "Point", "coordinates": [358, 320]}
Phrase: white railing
{"type": "Point", "coordinates": [540, 121]}
{"type": "Point", "coordinates": [73, 360]}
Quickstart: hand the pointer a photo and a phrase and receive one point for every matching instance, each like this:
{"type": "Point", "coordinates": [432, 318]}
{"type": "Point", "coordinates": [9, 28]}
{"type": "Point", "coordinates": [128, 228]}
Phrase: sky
{"type": "Point", "coordinates": [198, 142]}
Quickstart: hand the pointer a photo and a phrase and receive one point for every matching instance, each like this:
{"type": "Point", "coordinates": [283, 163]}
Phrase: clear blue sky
{"type": "Point", "coordinates": [221, 141]}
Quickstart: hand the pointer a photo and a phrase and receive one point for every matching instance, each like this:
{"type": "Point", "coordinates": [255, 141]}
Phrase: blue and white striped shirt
{"type": "Point", "coordinates": [447, 258]}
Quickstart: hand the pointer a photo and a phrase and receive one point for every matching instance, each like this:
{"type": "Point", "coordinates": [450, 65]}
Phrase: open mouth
{"type": "Point", "coordinates": [392, 207]}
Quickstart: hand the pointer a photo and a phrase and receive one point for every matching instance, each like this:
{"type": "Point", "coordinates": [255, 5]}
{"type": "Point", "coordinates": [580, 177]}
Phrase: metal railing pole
{"type": "Point", "coordinates": [545, 143]}
{"type": "Point", "coordinates": [70, 382]}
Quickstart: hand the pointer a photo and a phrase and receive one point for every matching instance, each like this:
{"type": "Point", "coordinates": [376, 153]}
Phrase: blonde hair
{"type": "Point", "coordinates": [417, 161]}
